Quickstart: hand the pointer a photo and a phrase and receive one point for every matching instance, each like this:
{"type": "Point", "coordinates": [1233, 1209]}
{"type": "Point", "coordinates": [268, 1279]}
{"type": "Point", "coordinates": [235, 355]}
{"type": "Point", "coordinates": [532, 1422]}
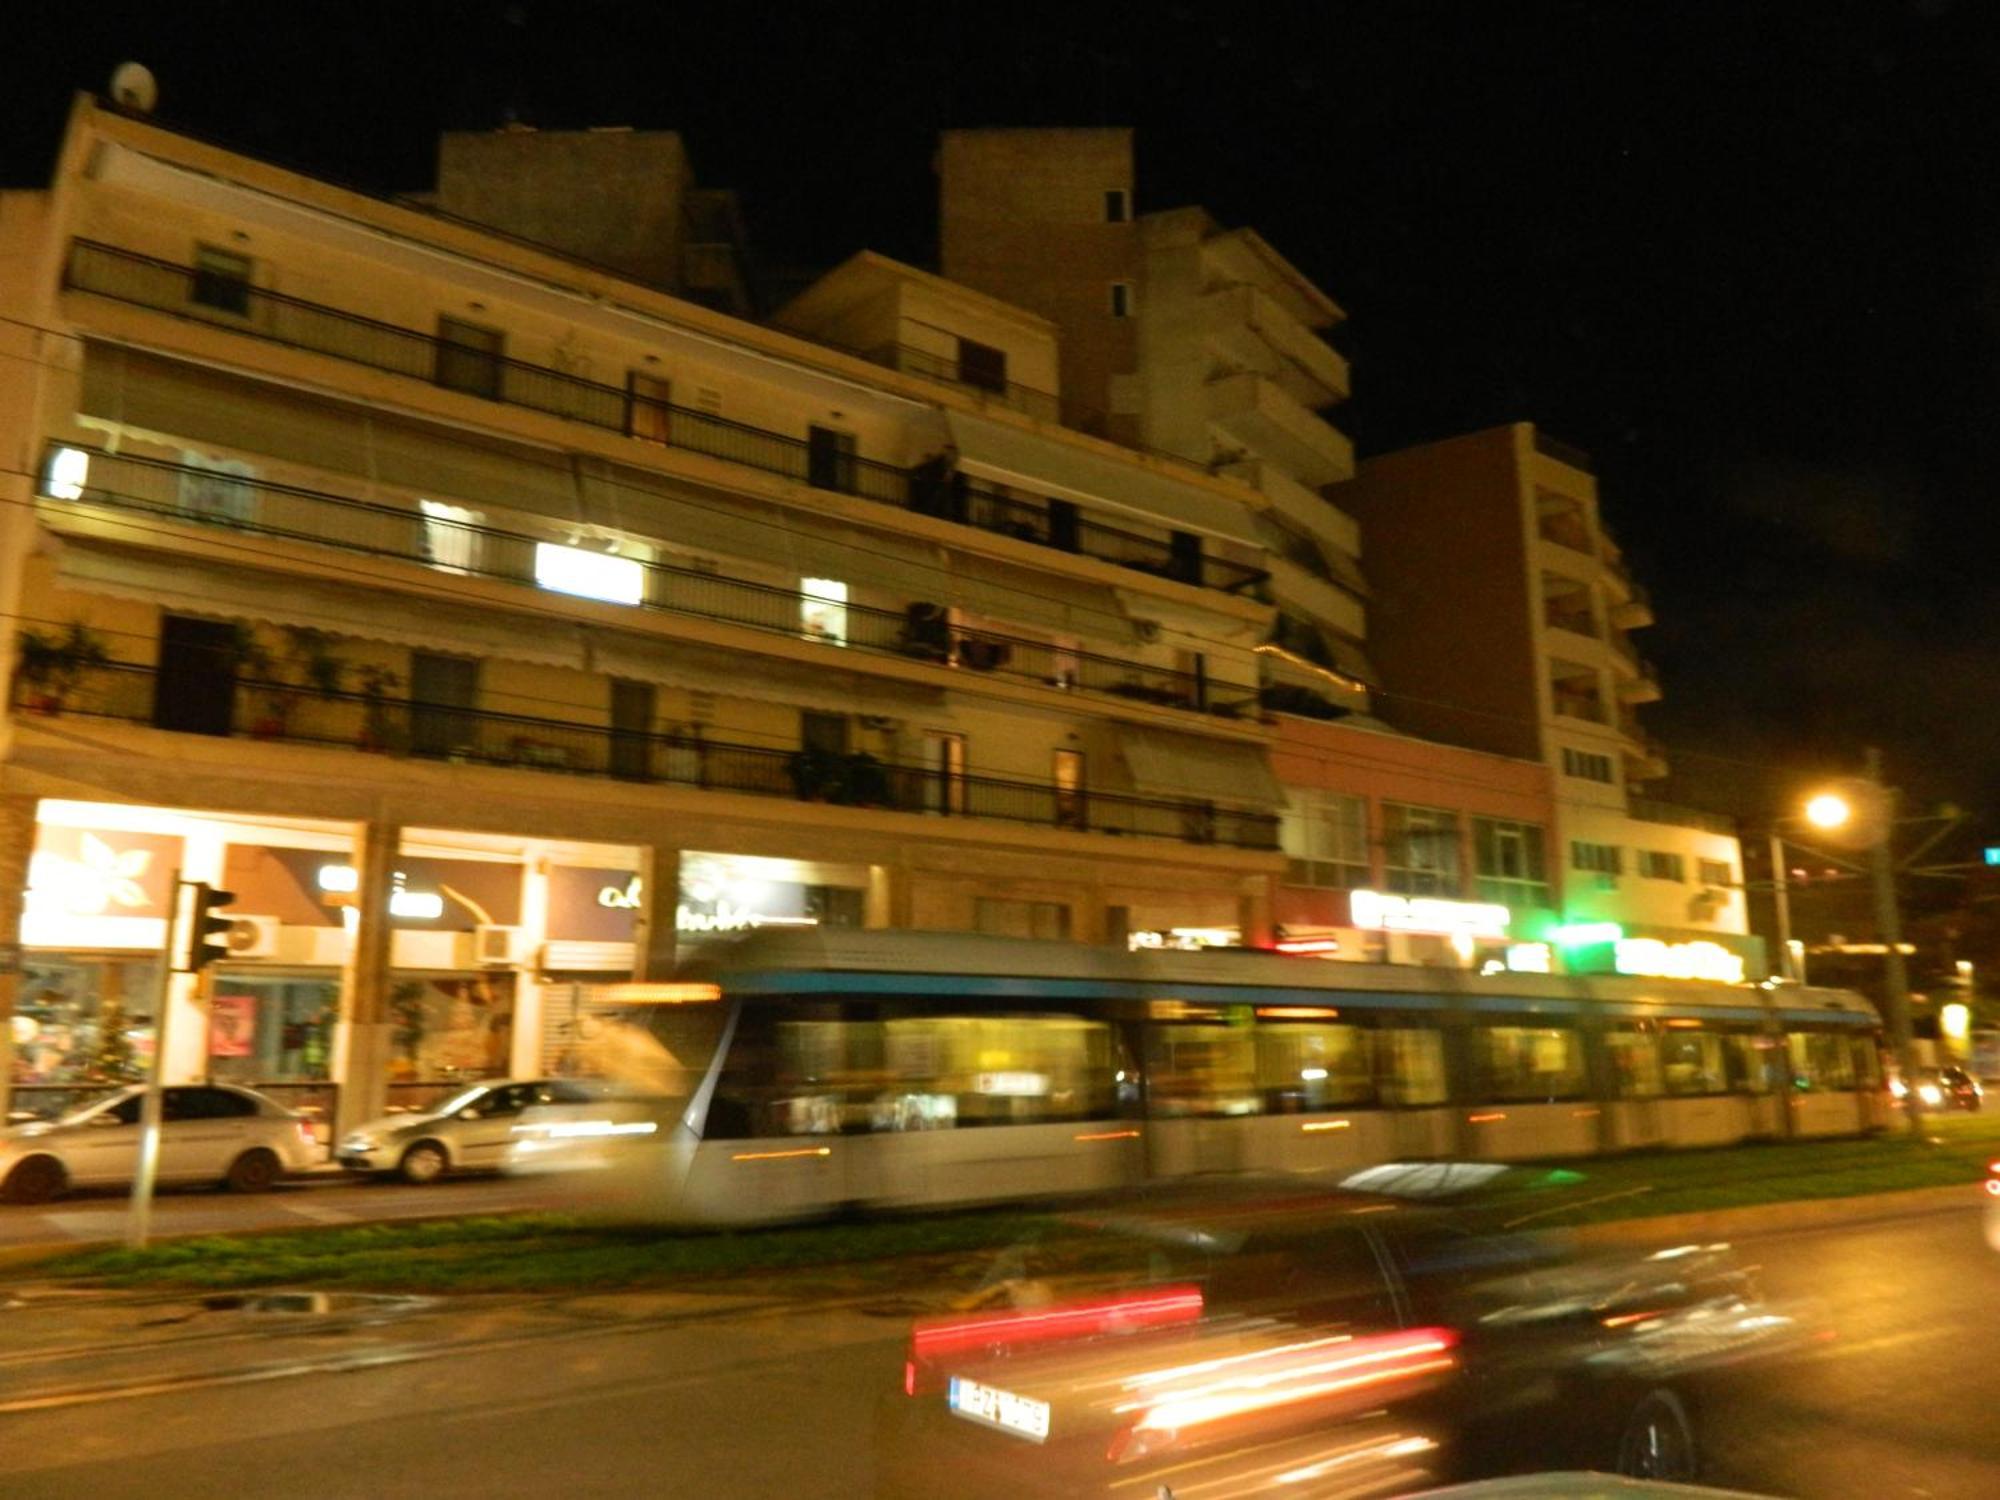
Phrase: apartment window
{"type": "Point", "coordinates": [1509, 860]}
{"type": "Point", "coordinates": [830, 459]}
{"type": "Point", "coordinates": [468, 358]}
{"type": "Point", "coordinates": [450, 537]}
{"type": "Point", "coordinates": [1717, 872]}
{"type": "Point", "coordinates": [632, 709]}
{"type": "Point", "coordinates": [647, 399]}
{"type": "Point", "coordinates": [823, 610]}
{"type": "Point", "coordinates": [443, 691]}
{"type": "Point", "coordinates": [221, 281]}
{"type": "Point", "coordinates": [1072, 805]}
{"type": "Point", "coordinates": [217, 490]}
{"type": "Point", "coordinates": [1602, 859]}
{"type": "Point", "coordinates": [1065, 525]}
{"type": "Point", "coordinates": [67, 474]}
{"type": "Point", "coordinates": [1184, 557]}
{"type": "Point", "coordinates": [1325, 839]}
{"type": "Point", "coordinates": [1420, 850]}
{"type": "Point", "coordinates": [195, 686]}
{"type": "Point", "coordinates": [1121, 299]}
{"type": "Point", "coordinates": [1575, 691]}
{"type": "Point", "coordinates": [982, 366]}
{"type": "Point", "coordinates": [1047, 920]}
{"type": "Point", "coordinates": [588, 574]}
{"type": "Point", "coordinates": [944, 762]}
{"type": "Point", "coordinates": [1585, 766]}
{"type": "Point", "coordinates": [825, 733]}
{"type": "Point", "coordinates": [1657, 864]}
{"type": "Point", "coordinates": [1117, 205]}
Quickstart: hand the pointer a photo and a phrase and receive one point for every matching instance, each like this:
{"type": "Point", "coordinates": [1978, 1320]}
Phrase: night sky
{"type": "Point", "coordinates": [1747, 254]}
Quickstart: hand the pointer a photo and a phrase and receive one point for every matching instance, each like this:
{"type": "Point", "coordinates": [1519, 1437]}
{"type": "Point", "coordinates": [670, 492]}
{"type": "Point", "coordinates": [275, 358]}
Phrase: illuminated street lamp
{"type": "Point", "coordinates": [1829, 810]}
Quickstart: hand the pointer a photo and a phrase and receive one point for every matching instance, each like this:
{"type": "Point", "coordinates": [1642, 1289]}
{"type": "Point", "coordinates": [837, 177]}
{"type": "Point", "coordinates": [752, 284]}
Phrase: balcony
{"type": "Point", "coordinates": [454, 543]}
{"type": "Point", "coordinates": [1249, 328]}
{"type": "Point", "coordinates": [283, 713]}
{"type": "Point", "coordinates": [945, 369]}
{"type": "Point", "coordinates": [1647, 810]}
{"type": "Point", "coordinates": [1255, 411]}
{"type": "Point", "coordinates": [163, 286]}
{"type": "Point", "coordinates": [1635, 611]}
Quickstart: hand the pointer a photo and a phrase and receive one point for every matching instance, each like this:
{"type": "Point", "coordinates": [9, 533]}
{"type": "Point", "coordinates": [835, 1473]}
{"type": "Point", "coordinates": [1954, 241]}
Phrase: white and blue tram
{"type": "Point", "coordinates": [898, 1069]}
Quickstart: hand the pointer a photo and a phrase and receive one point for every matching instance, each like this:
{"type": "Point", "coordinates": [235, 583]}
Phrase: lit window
{"type": "Point", "coordinates": [589, 575]}
{"type": "Point", "coordinates": [69, 472]}
{"type": "Point", "coordinates": [451, 544]}
{"type": "Point", "coordinates": [823, 610]}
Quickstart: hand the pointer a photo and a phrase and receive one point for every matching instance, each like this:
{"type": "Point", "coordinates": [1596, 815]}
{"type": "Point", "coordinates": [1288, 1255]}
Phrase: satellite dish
{"type": "Point", "coordinates": [133, 87]}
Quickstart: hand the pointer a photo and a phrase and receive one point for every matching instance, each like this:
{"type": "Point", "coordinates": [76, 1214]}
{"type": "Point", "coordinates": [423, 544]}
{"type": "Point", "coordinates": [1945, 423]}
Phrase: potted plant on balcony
{"type": "Point", "coordinates": [53, 663]}
{"type": "Point", "coordinates": [863, 782]}
{"type": "Point", "coordinates": [814, 773]}
{"type": "Point", "coordinates": [308, 665]}
{"type": "Point", "coordinates": [375, 683]}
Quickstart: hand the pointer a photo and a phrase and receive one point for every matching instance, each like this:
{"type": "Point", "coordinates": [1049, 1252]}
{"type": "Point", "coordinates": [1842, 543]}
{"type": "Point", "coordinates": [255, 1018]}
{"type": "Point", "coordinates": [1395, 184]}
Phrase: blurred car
{"type": "Point", "coordinates": [1942, 1088]}
{"type": "Point", "coordinates": [1274, 1338]}
{"type": "Point", "coordinates": [1577, 1485]}
{"type": "Point", "coordinates": [469, 1132]}
{"type": "Point", "coordinates": [209, 1133]}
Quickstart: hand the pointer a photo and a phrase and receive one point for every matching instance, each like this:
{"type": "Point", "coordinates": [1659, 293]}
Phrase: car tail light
{"type": "Point", "coordinates": [307, 1136]}
{"type": "Point", "coordinates": [1157, 1307]}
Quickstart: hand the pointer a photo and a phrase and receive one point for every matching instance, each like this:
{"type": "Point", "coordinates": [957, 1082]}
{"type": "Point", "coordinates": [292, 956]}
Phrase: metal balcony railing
{"type": "Point", "coordinates": [1651, 810]}
{"type": "Point", "coordinates": [385, 725]}
{"type": "Point", "coordinates": [948, 370]}
{"type": "Point", "coordinates": [190, 495]}
{"type": "Point", "coordinates": [164, 286]}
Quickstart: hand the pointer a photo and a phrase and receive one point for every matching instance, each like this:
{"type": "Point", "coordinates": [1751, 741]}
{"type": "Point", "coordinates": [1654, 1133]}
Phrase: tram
{"type": "Point", "coordinates": [827, 1068]}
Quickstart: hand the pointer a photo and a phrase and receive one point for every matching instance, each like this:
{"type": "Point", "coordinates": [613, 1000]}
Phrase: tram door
{"type": "Point", "coordinates": [1637, 1116]}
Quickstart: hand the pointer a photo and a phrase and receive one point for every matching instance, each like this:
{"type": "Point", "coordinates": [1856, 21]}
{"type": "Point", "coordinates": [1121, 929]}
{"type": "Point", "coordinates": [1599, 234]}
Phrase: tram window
{"type": "Point", "coordinates": [1412, 1059]}
{"type": "Point", "coordinates": [1753, 1062]}
{"type": "Point", "coordinates": [1693, 1063]}
{"type": "Point", "coordinates": [1867, 1063]}
{"type": "Point", "coordinates": [1820, 1060]}
{"type": "Point", "coordinates": [1306, 1068]}
{"type": "Point", "coordinates": [1529, 1062]}
{"type": "Point", "coordinates": [1635, 1063]}
{"type": "Point", "coordinates": [1202, 1070]}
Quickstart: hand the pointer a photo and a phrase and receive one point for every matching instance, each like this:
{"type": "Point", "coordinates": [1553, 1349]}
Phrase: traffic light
{"type": "Point", "coordinates": [208, 928]}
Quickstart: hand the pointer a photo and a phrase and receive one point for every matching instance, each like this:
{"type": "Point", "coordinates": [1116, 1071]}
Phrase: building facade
{"type": "Point", "coordinates": [495, 626]}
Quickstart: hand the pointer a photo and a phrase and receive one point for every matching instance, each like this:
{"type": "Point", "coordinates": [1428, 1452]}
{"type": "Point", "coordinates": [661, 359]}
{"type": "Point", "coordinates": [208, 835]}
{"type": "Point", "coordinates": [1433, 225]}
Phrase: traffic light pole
{"type": "Point", "coordinates": [139, 1222]}
{"type": "Point", "coordinates": [1888, 921]}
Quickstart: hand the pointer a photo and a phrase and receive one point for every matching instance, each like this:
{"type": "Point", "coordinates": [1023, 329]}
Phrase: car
{"type": "Point", "coordinates": [1943, 1088]}
{"type": "Point", "coordinates": [1271, 1335]}
{"type": "Point", "coordinates": [469, 1132]}
{"type": "Point", "coordinates": [215, 1133]}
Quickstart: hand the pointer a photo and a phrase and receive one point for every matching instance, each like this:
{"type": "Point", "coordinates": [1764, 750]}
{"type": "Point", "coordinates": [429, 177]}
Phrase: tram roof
{"type": "Point", "coordinates": [846, 961]}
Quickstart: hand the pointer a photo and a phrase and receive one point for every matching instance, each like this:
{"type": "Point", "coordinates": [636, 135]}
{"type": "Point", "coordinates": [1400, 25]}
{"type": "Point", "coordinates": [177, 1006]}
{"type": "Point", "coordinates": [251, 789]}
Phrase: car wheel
{"type": "Point", "coordinates": [1658, 1440]}
{"type": "Point", "coordinates": [253, 1172]}
{"type": "Point", "coordinates": [423, 1163]}
{"type": "Point", "coordinates": [35, 1180]}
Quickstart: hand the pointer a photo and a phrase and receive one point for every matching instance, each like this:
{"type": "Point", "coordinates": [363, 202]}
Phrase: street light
{"type": "Point", "coordinates": [1829, 810]}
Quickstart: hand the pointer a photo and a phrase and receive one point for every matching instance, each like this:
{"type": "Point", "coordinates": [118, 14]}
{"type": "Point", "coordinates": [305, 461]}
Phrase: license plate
{"type": "Point", "coordinates": [1023, 1416]}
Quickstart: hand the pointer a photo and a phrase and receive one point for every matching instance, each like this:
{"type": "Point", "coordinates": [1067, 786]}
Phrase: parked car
{"type": "Point", "coordinates": [1264, 1337]}
{"type": "Point", "coordinates": [469, 1132]}
{"type": "Point", "coordinates": [209, 1133]}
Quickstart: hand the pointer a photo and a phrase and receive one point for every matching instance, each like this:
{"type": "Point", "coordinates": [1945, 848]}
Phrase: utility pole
{"type": "Point", "coordinates": [1888, 921]}
{"type": "Point", "coordinates": [1781, 899]}
{"type": "Point", "coordinates": [139, 1222]}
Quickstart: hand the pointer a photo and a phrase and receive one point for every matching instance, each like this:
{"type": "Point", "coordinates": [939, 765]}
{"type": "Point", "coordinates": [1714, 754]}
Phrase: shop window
{"type": "Point", "coordinates": [266, 1029]}
{"type": "Point", "coordinates": [830, 459]}
{"type": "Point", "coordinates": [83, 1021]}
{"type": "Point", "coordinates": [470, 358]}
{"type": "Point", "coordinates": [1303, 1069]}
{"type": "Point", "coordinates": [982, 367]}
{"type": "Point", "coordinates": [1510, 861]}
{"type": "Point", "coordinates": [221, 281]}
{"type": "Point", "coordinates": [1420, 850]}
{"type": "Point", "coordinates": [841, 906]}
{"type": "Point", "coordinates": [1528, 1063]}
{"type": "Point", "coordinates": [449, 1027]}
{"type": "Point", "coordinates": [823, 610]}
{"type": "Point", "coordinates": [1325, 839]}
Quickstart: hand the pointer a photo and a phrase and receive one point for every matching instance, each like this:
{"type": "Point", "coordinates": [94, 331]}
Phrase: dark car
{"type": "Point", "coordinates": [1942, 1088]}
{"type": "Point", "coordinates": [1273, 1338]}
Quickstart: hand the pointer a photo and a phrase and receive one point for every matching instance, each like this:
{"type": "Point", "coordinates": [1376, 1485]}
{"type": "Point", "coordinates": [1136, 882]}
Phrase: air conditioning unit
{"type": "Point", "coordinates": [493, 944]}
{"type": "Point", "coordinates": [252, 937]}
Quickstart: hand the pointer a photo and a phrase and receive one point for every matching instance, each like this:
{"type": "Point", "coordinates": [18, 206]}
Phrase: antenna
{"type": "Point", "coordinates": [133, 87]}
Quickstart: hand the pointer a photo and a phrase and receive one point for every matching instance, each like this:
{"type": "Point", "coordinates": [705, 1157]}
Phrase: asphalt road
{"type": "Point", "coordinates": [664, 1397]}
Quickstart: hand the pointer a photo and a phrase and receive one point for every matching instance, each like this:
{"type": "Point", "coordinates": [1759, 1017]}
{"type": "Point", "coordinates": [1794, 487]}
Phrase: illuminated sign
{"type": "Point", "coordinates": [1661, 960]}
{"type": "Point", "coordinates": [98, 889]}
{"type": "Point", "coordinates": [1431, 914]}
{"type": "Point", "coordinates": [1184, 938]}
{"type": "Point", "coordinates": [1530, 958]}
{"type": "Point", "coordinates": [621, 897]}
{"type": "Point", "coordinates": [1585, 934]}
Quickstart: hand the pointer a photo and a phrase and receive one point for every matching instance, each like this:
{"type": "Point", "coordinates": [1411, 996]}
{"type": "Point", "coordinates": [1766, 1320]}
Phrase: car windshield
{"type": "Point", "coordinates": [460, 1100]}
{"type": "Point", "coordinates": [88, 1106]}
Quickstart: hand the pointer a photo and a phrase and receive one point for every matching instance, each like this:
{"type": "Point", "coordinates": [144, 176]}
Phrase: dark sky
{"type": "Point", "coordinates": [1747, 254]}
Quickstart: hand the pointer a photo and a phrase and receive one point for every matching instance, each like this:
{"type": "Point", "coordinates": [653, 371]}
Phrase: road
{"type": "Point", "coordinates": [665, 1396]}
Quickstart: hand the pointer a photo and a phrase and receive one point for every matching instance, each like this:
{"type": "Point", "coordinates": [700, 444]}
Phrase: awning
{"type": "Point", "coordinates": [700, 669]}
{"type": "Point", "coordinates": [1166, 764]}
{"type": "Point", "coordinates": [1046, 466]}
{"type": "Point", "coordinates": [1000, 592]}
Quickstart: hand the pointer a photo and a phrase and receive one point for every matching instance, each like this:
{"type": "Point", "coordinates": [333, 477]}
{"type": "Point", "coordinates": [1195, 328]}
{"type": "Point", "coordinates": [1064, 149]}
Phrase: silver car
{"type": "Point", "coordinates": [209, 1133]}
{"type": "Point", "coordinates": [469, 1132]}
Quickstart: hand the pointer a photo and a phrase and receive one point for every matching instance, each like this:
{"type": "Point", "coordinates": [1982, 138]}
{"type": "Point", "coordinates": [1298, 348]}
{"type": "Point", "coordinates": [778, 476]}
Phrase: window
{"type": "Point", "coordinates": [1605, 859]}
{"type": "Point", "coordinates": [1325, 839]}
{"type": "Point", "coordinates": [1575, 691]}
{"type": "Point", "coordinates": [443, 690]}
{"type": "Point", "coordinates": [450, 543]}
{"type": "Point", "coordinates": [830, 459]}
{"type": "Point", "coordinates": [1065, 525]}
{"type": "Point", "coordinates": [944, 760]}
{"type": "Point", "coordinates": [67, 474]}
{"type": "Point", "coordinates": [1820, 1060]}
{"type": "Point", "coordinates": [825, 733]}
{"type": "Point", "coordinates": [1587, 767]}
{"type": "Point", "coordinates": [1202, 1070]}
{"type": "Point", "coordinates": [1420, 850]}
{"type": "Point", "coordinates": [221, 491]}
{"type": "Point", "coordinates": [1117, 205]}
{"type": "Point", "coordinates": [982, 366]}
{"type": "Point", "coordinates": [1716, 872]}
{"type": "Point", "coordinates": [1184, 557]}
{"type": "Point", "coordinates": [270, 1030]}
{"type": "Point", "coordinates": [1121, 299]}
{"type": "Point", "coordinates": [468, 358]}
{"type": "Point", "coordinates": [195, 687]}
{"type": "Point", "coordinates": [221, 281]}
{"type": "Point", "coordinates": [1656, 864]}
{"type": "Point", "coordinates": [1635, 1062]}
{"type": "Point", "coordinates": [633, 708]}
{"type": "Point", "coordinates": [1072, 806]}
{"type": "Point", "coordinates": [823, 610]}
{"type": "Point", "coordinates": [1306, 1068]}
{"type": "Point", "coordinates": [1045, 920]}
{"type": "Point", "coordinates": [647, 401]}
{"type": "Point", "coordinates": [1694, 1062]}
{"type": "Point", "coordinates": [1412, 1064]}
{"type": "Point", "coordinates": [1527, 1062]}
{"type": "Point", "coordinates": [1509, 860]}
{"type": "Point", "coordinates": [589, 575]}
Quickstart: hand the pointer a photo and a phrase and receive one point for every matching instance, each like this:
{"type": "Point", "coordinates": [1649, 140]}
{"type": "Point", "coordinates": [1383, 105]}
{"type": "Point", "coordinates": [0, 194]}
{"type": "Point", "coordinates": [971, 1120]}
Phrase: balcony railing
{"type": "Point", "coordinates": [1650, 810]}
{"type": "Point", "coordinates": [465, 547]}
{"type": "Point", "coordinates": [165, 286]}
{"type": "Point", "coordinates": [1042, 405]}
{"type": "Point", "coordinates": [379, 724]}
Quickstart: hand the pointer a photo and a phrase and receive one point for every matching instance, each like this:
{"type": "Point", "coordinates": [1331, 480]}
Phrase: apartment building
{"type": "Point", "coordinates": [1502, 617]}
{"type": "Point", "coordinates": [495, 624]}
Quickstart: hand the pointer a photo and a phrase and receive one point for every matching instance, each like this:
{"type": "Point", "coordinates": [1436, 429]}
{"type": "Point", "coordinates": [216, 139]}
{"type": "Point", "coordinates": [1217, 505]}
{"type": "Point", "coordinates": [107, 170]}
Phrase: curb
{"type": "Point", "coordinates": [1777, 1218]}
